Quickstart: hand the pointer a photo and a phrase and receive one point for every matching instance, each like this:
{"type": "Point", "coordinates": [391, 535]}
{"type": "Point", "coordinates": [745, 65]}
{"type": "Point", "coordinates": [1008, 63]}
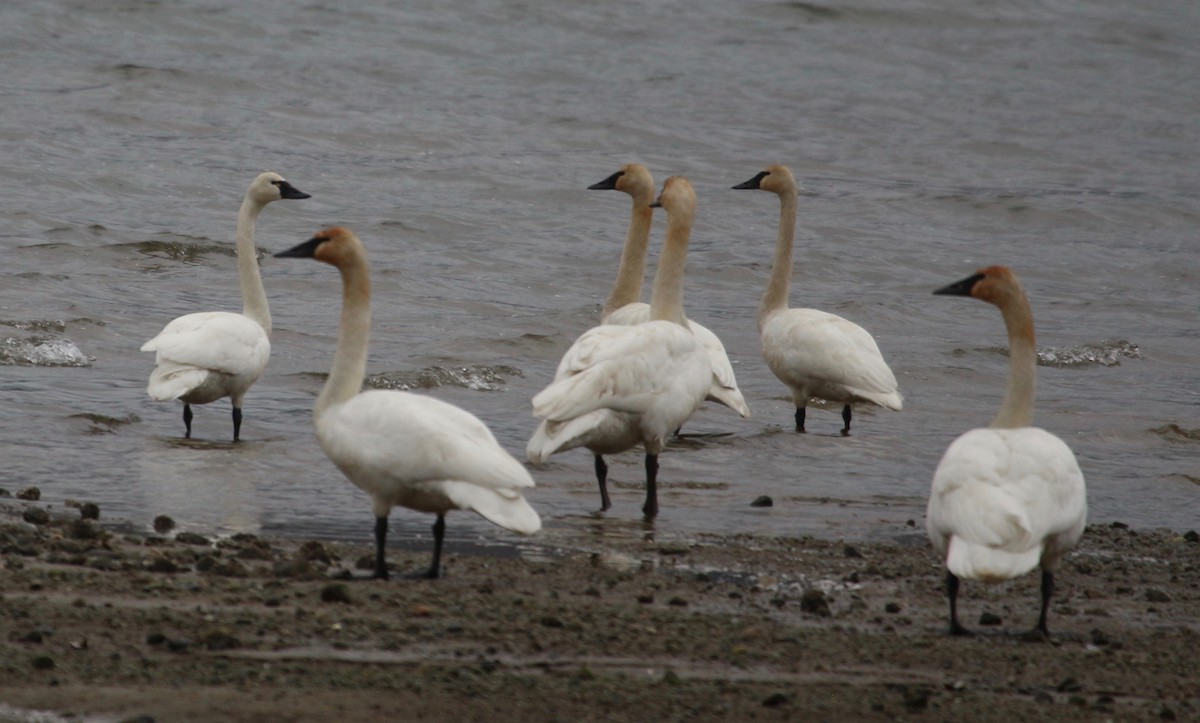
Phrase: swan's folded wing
{"type": "Point", "coordinates": [221, 341]}
{"type": "Point", "coordinates": [833, 350]}
{"type": "Point", "coordinates": [429, 439]}
{"type": "Point", "coordinates": [623, 368]}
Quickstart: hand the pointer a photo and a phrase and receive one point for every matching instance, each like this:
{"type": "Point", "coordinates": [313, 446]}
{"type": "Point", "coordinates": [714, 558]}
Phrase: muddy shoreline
{"type": "Point", "coordinates": [104, 623]}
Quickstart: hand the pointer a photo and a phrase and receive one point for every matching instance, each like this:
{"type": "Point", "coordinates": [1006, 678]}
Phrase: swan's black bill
{"type": "Point", "coordinates": [608, 184]}
{"type": "Point", "coordinates": [753, 183]}
{"type": "Point", "coordinates": [960, 288]}
{"type": "Point", "coordinates": [305, 250]}
{"type": "Point", "coordinates": [287, 190]}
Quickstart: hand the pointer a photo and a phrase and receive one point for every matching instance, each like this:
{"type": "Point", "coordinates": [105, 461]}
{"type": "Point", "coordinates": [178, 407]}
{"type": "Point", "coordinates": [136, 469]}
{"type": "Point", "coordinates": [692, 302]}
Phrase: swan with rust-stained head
{"type": "Point", "coordinates": [400, 448]}
{"type": "Point", "coordinates": [1008, 497]}
{"type": "Point", "coordinates": [623, 307]}
{"type": "Point", "coordinates": [815, 353]}
{"type": "Point", "coordinates": [620, 386]}
{"type": "Point", "coordinates": [200, 358]}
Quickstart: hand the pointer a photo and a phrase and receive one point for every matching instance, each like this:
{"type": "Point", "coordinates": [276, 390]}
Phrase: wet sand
{"type": "Point", "coordinates": [101, 623]}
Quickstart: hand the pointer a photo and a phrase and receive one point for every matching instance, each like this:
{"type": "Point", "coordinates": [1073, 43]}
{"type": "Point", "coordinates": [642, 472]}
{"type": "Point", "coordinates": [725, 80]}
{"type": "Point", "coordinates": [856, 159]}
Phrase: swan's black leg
{"type": "Point", "coordinates": [1047, 591]}
{"type": "Point", "coordinates": [237, 423]}
{"type": "Point", "coordinates": [846, 419]}
{"type": "Point", "coordinates": [799, 419]}
{"type": "Point", "coordinates": [602, 478]}
{"type": "Point", "coordinates": [439, 534]}
{"type": "Point", "coordinates": [952, 593]}
{"type": "Point", "coordinates": [650, 509]}
{"type": "Point", "coordinates": [187, 421]}
{"type": "Point", "coordinates": [381, 571]}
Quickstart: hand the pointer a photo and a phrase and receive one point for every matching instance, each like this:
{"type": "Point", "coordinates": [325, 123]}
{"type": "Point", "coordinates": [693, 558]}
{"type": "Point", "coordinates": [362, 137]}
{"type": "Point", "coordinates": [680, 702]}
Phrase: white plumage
{"type": "Point", "coordinates": [200, 358]}
{"type": "Point", "coordinates": [405, 449]}
{"type": "Point", "coordinates": [619, 386]}
{"type": "Point", "coordinates": [1009, 497]}
{"type": "Point", "coordinates": [623, 307]}
{"type": "Point", "coordinates": [815, 353]}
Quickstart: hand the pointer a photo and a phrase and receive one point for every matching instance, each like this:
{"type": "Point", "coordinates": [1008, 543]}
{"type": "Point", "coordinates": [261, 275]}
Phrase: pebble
{"type": "Point", "coordinates": [335, 593]}
{"type": "Point", "coordinates": [763, 501]}
{"type": "Point", "coordinates": [990, 619]}
{"type": "Point", "coordinates": [163, 524]}
{"type": "Point", "coordinates": [30, 494]}
{"type": "Point", "coordinates": [36, 516]}
{"type": "Point", "coordinates": [814, 602]}
{"type": "Point", "coordinates": [89, 511]}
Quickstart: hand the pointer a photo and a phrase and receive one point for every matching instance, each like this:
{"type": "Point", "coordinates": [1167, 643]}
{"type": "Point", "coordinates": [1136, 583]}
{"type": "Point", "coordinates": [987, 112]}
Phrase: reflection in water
{"type": "Point", "coordinates": [203, 485]}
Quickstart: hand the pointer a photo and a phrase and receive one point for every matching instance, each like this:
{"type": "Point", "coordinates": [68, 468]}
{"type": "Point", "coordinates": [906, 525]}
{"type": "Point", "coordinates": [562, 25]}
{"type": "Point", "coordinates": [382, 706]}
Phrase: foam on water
{"type": "Point", "coordinates": [476, 378]}
{"type": "Point", "coordinates": [41, 351]}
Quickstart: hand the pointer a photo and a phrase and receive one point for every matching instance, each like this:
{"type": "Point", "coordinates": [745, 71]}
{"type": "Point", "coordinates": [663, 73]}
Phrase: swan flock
{"type": "Point", "coordinates": [1005, 499]}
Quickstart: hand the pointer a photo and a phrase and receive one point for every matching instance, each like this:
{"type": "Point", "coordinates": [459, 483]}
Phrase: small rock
{"type": "Point", "coordinates": [43, 662]}
{"type": "Point", "coordinates": [671, 678]}
{"type": "Point", "coordinates": [1166, 713]}
{"type": "Point", "coordinates": [191, 538]}
{"type": "Point", "coordinates": [314, 551]}
{"type": "Point", "coordinates": [179, 646]}
{"type": "Point", "coordinates": [645, 599]}
{"type": "Point", "coordinates": [220, 640]}
{"type": "Point", "coordinates": [1120, 526]}
{"type": "Point", "coordinates": [678, 602]}
{"type": "Point", "coordinates": [813, 601]}
{"type": "Point", "coordinates": [89, 511]}
{"type": "Point", "coordinates": [851, 551]}
{"type": "Point", "coordinates": [1157, 596]}
{"type": "Point", "coordinates": [82, 529]}
{"type": "Point", "coordinates": [36, 516]}
{"type": "Point", "coordinates": [335, 593]}
{"type": "Point", "coordinates": [33, 636]}
{"type": "Point", "coordinates": [30, 494]}
{"type": "Point", "coordinates": [892, 607]}
{"type": "Point", "coordinates": [162, 564]}
{"type": "Point", "coordinates": [775, 700]}
{"type": "Point", "coordinates": [916, 699]}
{"type": "Point", "coordinates": [1190, 536]}
{"type": "Point", "coordinates": [990, 619]}
{"type": "Point", "coordinates": [550, 621]}
{"type": "Point", "coordinates": [1069, 685]}
{"type": "Point", "coordinates": [163, 524]}
{"type": "Point", "coordinates": [1099, 638]}
{"type": "Point", "coordinates": [156, 639]}
{"type": "Point", "coordinates": [763, 501]}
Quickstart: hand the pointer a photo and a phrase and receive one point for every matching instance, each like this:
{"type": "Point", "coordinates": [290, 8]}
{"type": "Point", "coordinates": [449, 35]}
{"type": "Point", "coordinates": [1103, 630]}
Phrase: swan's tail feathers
{"type": "Point", "coordinates": [553, 437]}
{"type": "Point", "coordinates": [889, 400]}
{"type": "Point", "coordinates": [503, 507]}
{"type": "Point", "coordinates": [171, 381]}
{"type": "Point", "coordinates": [980, 562]}
{"type": "Point", "coordinates": [731, 398]}
{"type": "Point", "coordinates": [574, 396]}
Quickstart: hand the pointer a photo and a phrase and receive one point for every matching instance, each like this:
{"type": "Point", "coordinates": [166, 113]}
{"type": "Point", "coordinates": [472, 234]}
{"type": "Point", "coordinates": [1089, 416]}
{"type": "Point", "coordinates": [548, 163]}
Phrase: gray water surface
{"type": "Point", "coordinates": [457, 139]}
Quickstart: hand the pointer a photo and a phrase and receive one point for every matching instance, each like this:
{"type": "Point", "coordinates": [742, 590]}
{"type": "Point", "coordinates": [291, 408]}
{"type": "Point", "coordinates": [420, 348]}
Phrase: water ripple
{"type": "Point", "coordinates": [476, 378]}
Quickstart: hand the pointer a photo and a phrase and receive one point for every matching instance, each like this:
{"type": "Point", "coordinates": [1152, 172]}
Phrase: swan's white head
{"type": "Point", "coordinates": [633, 178]}
{"type": "Point", "coordinates": [268, 187]}
{"type": "Point", "coordinates": [677, 197]}
{"type": "Point", "coordinates": [775, 178]}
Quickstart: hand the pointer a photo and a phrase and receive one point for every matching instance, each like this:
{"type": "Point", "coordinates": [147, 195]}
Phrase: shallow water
{"type": "Point", "coordinates": [459, 141]}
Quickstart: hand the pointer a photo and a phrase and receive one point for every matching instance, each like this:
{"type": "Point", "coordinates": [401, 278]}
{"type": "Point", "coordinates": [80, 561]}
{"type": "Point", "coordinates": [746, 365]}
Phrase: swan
{"type": "Point", "coordinates": [623, 307]}
{"type": "Point", "coordinates": [1008, 497]}
{"type": "Point", "coordinates": [619, 386]}
{"type": "Point", "coordinates": [200, 358]}
{"type": "Point", "coordinates": [401, 448]}
{"type": "Point", "coordinates": [816, 354]}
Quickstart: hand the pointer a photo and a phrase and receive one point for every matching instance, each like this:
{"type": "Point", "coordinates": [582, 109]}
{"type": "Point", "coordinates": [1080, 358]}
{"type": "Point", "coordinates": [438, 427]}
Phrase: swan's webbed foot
{"type": "Point", "coordinates": [187, 421]}
{"type": "Point", "coordinates": [846, 419]}
{"type": "Point", "coordinates": [800, 419]}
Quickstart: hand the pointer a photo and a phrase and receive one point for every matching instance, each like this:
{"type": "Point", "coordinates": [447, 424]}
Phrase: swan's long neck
{"type": "Point", "coordinates": [666, 296]}
{"type": "Point", "coordinates": [254, 296]}
{"type": "Point", "coordinates": [632, 271]}
{"type": "Point", "coordinates": [775, 298]}
{"type": "Point", "coordinates": [1017, 408]}
{"type": "Point", "coordinates": [350, 360]}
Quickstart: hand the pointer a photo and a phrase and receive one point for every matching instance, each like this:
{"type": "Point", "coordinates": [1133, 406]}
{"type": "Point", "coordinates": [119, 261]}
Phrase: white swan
{"type": "Point", "coordinates": [400, 448]}
{"type": "Point", "coordinates": [1008, 497]}
{"type": "Point", "coordinates": [200, 358]}
{"type": "Point", "coordinates": [618, 386]}
{"type": "Point", "coordinates": [816, 354]}
{"type": "Point", "coordinates": [623, 307]}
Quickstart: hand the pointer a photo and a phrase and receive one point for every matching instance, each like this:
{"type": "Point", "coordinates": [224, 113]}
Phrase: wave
{"type": "Point", "coordinates": [477, 378]}
{"type": "Point", "coordinates": [42, 352]}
